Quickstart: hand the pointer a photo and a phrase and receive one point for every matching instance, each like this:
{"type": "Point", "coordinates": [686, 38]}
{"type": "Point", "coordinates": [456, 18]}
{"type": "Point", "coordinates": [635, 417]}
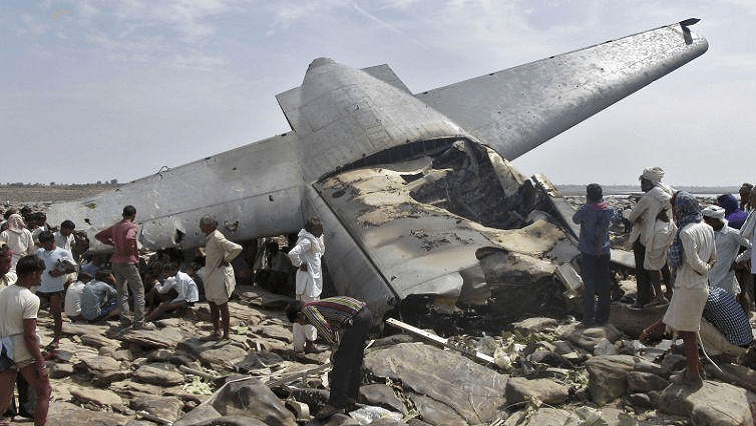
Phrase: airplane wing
{"type": "Point", "coordinates": [252, 190]}
{"type": "Point", "coordinates": [517, 109]}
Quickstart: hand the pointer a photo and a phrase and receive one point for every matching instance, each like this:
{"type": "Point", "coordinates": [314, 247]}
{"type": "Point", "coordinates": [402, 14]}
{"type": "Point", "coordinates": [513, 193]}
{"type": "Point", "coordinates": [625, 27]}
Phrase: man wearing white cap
{"type": "Point", "coordinates": [728, 242]}
{"type": "Point", "coordinates": [652, 234]}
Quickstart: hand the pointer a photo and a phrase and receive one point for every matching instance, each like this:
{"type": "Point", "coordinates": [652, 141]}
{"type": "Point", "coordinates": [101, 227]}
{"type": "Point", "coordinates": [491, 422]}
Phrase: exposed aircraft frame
{"type": "Point", "coordinates": [345, 119]}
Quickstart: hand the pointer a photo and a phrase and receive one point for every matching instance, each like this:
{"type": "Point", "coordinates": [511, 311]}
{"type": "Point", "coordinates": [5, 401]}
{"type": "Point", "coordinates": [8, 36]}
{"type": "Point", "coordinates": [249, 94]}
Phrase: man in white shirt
{"type": "Point", "coordinates": [18, 324]}
{"type": "Point", "coordinates": [72, 303]}
{"type": "Point", "coordinates": [64, 238]}
{"type": "Point", "coordinates": [728, 241]}
{"type": "Point", "coordinates": [653, 231]}
{"type": "Point", "coordinates": [306, 256]}
{"type": "Point", "coordinates": [184, 286]}
{"type": "Point", "coordinates": [58, 263]}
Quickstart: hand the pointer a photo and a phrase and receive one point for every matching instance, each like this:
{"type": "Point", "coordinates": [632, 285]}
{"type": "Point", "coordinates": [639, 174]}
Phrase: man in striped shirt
{"type": "Point", "coordinates": [343, 322]}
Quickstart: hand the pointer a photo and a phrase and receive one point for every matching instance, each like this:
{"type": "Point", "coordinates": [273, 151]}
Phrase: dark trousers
{"type": "Point", "coordinates": [347, 363]}
{"type": "Point", "coordinates": [641, 274]}
{"type": "Point", "coordinates": [596, 282]}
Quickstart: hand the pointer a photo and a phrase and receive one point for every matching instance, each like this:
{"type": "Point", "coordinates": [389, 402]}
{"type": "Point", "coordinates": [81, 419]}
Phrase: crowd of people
{"type": "Point", "coordinates": [703, 255]}
{"type": "Point", "coordinates": [50, 268]}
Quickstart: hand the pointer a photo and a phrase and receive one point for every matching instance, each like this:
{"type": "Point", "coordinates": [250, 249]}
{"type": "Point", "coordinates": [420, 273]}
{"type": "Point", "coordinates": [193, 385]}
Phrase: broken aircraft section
{"type": "Point", "coordinates": [415, 191]}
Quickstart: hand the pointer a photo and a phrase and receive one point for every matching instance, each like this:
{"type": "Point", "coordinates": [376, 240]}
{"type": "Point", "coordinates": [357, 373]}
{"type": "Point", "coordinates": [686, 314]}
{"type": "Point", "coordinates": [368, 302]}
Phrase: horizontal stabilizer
{"type": "Point", "coordinates": [385, 73]}
{"type": "Point", "coordinates": [517, 109]}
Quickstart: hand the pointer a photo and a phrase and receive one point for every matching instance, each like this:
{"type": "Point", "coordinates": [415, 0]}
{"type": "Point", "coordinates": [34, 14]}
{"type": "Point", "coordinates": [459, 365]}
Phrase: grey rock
{"type": "Point", "coordinates": [713, 404]}
{"type": "Point", "coordinates": [162, 374]}
{"type": "Point", "coordinates": [543, 417]}
{"type": "Point", "coordinates": [99, 341]}
{"type": "Point", "coordinates": [588, 338]}
{"type": "Point", "coordinates": [150, 339]}
{"type": "Point", "coordinates": [79, 329]}
{"type": "Point", "coordinates": [607, 376]}
{"type": "Point", "coordinates": [98, 396]}
{"type": "Point", "coordinates": [548, 391]}
{"type": "Point", "coordinates": [257, 360]}
{"type": "Point", "coordinates": [641, 400]}
{"type": "Point", "coordinates": [471, 390]}
{"type": "Point", "coordinates": [199, 415]}
{"type": "Point", "coordinates": [633, 321]}
{"type": "Point", "coordinates": [382, 396]}
{"type": "Point", "coordinates": [104, 369]}
{"type": "Point", "coordinates": [249, 397]}
{"type": "Point", "coordinates": [435, 412]}
{"type": "Point", "coordinates": [535, 325]}
{"type": "Point", "coordinates": [167, 408]}
{"type": "Point", "coordinates": [275, 331]}
{"type": "Point", "coordinates": [639, 381]}
{"type": "Point", "coordinates": [58, 371]}
{"type": "Point", "coordinates": [117, 353]}
{"type": "Point", "coordinates": [67, 414]}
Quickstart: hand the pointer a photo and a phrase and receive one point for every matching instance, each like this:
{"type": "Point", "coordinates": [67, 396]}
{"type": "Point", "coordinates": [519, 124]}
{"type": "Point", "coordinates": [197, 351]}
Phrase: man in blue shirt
{"type": "Point", "coordinates": [594, 218]}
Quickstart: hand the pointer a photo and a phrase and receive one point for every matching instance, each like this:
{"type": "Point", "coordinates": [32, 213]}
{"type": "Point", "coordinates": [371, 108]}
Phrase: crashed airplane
{"type": "Point", "coordinates": [415, 190]}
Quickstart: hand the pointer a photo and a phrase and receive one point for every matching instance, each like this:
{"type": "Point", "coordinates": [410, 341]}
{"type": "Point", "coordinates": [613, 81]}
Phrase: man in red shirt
{"type": "Point", "coordinates": [125, 264]}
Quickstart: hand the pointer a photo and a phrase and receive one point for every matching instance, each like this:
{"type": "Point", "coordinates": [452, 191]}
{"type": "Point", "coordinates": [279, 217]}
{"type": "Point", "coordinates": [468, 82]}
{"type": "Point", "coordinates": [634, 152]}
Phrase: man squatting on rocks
{"type": "Point", "coordinates": [594, 218]}
{"type": "Point", "coordinates": [692, 254]}
{"type": "Point", "coordinates": [218, 279]}
{"type": "Point", "coordinates": [125, 264]}
{"type": "Point", "coordinates": [344, 322]}
{"type": "Point", "coordinates": [306, 256]}
{"type": "Point", "coordinates": [19, 341]}
{"type": "Point", "coordinates": [651, 236]}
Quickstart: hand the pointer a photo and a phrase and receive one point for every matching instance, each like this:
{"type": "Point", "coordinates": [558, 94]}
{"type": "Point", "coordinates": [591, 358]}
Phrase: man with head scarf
{"type": "Point", "coordinates": [728, 242]}
{"type": "Point", "coordinates": [692, 254]}
{"type": "Point", "coordinates": [734, 215]}
{"type": "Point", "coordinates": [18, 238]}
{"type": "Point", "coordinates": [651, 235]}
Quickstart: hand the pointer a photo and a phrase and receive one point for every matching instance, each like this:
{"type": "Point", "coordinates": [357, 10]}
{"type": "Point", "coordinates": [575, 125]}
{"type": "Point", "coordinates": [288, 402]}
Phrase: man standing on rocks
{"type": "Point", "coordinates": [19, 341]}
{"type": "Point", "coordinates": [58, 264]}
{"type": "Point", "coordinates": [218, 279]}
{"type": "Point", "coordinates": [692, 254]}
{"type": "Point", "coordinates": [344, 322]}
{"type": "Point", "coordinates": [728, 242]}
{"type": "Point", "coordinates": [306, 256]}
{"type": "Point", "coordinates": [125, 264]}
{"type": "Point", "coordinates": [594, 218]}
{"type": "Point", "coordinates": [651, 235]}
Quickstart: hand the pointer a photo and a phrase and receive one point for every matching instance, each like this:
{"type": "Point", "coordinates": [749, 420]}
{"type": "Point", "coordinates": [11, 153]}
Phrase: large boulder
{"type": "Point", "coordinates": [472, 391]}
{"type": "Point", "coordinates": [250, 398]}
{"type": "Point", "coordinates": [546, 390]}
{"type": "Point", "coordinates": [713, 404]}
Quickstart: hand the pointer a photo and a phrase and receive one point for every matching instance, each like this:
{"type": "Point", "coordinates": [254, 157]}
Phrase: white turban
{"type": "Point", "coordinates": [654, 174]}
{"type": "Point", "coordinates": [715, 212]}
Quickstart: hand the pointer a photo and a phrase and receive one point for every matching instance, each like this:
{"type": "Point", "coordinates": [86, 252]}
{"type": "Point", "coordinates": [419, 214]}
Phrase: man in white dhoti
{"type": "Point", "coordinates": [306, 256]}
{"type": "Point", "coordinates": [218, 279]}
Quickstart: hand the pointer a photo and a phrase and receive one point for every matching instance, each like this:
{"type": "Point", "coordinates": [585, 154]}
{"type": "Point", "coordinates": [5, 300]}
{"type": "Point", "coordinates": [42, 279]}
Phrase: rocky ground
{"type": "Point", "coordinates": [545, 372]}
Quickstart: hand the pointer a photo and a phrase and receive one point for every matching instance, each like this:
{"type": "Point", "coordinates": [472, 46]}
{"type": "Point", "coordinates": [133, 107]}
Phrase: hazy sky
{"type": "Point", "coordinates": [115, 89]}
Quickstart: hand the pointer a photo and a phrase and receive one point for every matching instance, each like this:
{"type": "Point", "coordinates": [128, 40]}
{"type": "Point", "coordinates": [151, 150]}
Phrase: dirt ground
{"type": "Point", "coordinates": [18, 195]}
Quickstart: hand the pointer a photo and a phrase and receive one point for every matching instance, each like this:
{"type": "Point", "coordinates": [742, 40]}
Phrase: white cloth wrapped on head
{"type": "Point", "coordinates": [715, 212]}
{"type": "Point", "coordinates": [654, 174]}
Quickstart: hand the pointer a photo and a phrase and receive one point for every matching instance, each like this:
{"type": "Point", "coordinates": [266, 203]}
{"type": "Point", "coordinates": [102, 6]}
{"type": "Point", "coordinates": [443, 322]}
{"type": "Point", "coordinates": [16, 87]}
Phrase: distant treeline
{"type": "Point", "coordinates": [113, 182]}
